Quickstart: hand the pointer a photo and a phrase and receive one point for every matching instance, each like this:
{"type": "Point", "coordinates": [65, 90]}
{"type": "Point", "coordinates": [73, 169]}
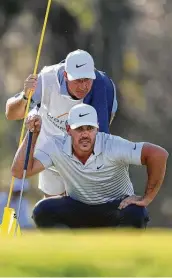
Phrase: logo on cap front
{"type": "Point", "coordinates": [82, 115]}
{"type": "Point", "coordinates": [78, 66]}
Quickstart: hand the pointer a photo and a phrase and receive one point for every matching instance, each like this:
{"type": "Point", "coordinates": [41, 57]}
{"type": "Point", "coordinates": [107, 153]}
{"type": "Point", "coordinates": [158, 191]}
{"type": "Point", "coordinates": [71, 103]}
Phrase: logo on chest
{"type": "Point", "coordinates": [100, 167]}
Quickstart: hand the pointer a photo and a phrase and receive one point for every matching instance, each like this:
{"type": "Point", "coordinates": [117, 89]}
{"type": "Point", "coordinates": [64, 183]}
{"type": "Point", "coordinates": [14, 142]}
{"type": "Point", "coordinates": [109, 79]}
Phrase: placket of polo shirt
{"type": "Point", "coordinates": [90, 160]}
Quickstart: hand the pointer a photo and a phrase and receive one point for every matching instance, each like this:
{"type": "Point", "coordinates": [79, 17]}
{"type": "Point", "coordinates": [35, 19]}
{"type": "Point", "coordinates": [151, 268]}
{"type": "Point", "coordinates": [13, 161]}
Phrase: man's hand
{"type": "Point", "coordinates": [136, 200]}
{"type": "Point", "coordinates": [33, 123]}
{"type": "Point", "coordinates": [30, 84]}
{"type": "Point", "coordinates": [16, 106]}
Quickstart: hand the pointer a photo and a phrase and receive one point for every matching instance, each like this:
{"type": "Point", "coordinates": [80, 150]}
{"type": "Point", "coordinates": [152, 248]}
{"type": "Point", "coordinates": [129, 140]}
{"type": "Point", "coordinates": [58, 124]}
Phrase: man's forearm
{"type": "Point", "coordinates": [15, 107]}
{"type": "Point", "coordinates": [156, 168]}
{"type": "Point", "coordinates": [18, 162]}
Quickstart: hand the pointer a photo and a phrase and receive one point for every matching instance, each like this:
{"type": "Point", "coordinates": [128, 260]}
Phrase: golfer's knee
{"type": "Point", "coordinates": [39, 213]}
{"type": "Point", "coordinates": [47, 212]}
{"type": "Point", "coordinates": [135, 216]}
{"type": "Point", "coordinates": [140, 217]}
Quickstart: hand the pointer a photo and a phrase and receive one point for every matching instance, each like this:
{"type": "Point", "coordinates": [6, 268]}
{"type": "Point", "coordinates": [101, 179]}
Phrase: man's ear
{"type": "Point", "coordinates": [65, 74]}
{"type": "Point", "coordinates": [68, 129]}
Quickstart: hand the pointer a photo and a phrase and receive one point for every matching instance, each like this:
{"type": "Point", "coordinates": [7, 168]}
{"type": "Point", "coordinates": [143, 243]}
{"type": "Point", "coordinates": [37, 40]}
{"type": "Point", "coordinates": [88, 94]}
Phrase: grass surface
{"type": "Point", "coordinates": [87, 253]}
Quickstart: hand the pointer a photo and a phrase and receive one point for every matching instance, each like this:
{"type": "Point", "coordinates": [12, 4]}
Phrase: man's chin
{"type": "Point", "coordinates": [81, 95]}
{"type": "Point", "coordinates": [85, 148]}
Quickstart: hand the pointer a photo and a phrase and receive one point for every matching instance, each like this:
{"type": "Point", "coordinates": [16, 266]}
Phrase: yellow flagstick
{"type": "Point", "coordinates": [7, 227]}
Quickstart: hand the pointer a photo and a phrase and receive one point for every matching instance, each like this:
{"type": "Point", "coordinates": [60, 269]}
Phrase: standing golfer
{"type": "Point", "coordinates": [94, 167]}
{"type": "Point", "coordinates": [59, 88]}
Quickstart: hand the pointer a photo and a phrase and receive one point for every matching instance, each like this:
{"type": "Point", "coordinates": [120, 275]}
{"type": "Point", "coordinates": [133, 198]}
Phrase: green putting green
{"type": "Point", "coordinates": [87, 253]}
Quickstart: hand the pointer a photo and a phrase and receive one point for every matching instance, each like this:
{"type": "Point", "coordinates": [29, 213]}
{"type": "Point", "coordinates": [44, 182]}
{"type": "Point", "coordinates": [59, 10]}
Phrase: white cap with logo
{"type": "Point", "coordinates": [82, 114]}
{"type": "Point", "coordinates": [79, 64]}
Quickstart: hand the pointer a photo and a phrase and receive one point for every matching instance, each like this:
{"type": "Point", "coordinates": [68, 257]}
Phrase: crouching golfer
{"type": "Point", "coordinates": [94, 167]}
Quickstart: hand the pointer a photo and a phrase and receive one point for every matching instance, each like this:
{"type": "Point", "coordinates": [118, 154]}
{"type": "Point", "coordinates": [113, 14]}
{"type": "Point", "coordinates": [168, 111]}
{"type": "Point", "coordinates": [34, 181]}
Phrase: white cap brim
{"type": "Point", "coordinates": [74, 126]}
{"type": "Point", "coordinates": [74, 76]}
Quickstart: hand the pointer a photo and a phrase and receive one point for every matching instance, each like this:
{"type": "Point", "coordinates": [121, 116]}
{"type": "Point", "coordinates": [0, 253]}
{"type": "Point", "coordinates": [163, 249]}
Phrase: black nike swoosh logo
{"type": "Point", "coordinates": [98, 167]}
{"type": "Point", "coordinates": [82, 115]}
{"type": "Point", "coordinates": [134, 147]}
{"type": "Point", "coordinates": [78, 66]}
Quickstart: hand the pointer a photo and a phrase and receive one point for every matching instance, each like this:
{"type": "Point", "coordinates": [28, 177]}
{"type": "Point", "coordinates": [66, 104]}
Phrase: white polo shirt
{"type": "Point", "coordinates": [103, 178]}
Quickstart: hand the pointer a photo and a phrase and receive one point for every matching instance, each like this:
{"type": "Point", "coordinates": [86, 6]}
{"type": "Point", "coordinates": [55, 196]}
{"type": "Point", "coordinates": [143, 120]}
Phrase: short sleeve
{"type": "Point", "coordinates": [124, 151]}
{"type": "Point", "coordinates": [41, 154]}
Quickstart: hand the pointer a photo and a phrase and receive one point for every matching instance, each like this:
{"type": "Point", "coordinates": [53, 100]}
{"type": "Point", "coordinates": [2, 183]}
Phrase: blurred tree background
{"type": "Point", "coordinates": [129, 39]}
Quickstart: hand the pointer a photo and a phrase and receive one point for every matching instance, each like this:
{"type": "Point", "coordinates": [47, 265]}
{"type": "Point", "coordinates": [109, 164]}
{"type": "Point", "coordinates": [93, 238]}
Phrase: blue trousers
{"type": "Point", "coordinates": [65, 211]}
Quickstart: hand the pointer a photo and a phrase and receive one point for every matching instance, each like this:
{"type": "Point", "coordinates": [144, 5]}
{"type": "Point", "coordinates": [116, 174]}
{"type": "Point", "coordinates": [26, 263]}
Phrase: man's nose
{"type": "Point", "coordinates": [84, 134]}
{"type": "Point", "coordinates": [83, 85]}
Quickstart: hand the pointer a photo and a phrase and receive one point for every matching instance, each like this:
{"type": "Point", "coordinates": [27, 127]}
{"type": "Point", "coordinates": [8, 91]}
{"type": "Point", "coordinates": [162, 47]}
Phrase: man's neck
{"type": "Point", "coordinates": [82, 157]}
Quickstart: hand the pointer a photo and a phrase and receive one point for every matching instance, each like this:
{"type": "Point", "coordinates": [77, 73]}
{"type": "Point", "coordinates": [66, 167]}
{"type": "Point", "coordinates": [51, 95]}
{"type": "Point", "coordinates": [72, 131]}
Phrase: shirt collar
{"type": "Point", "coordinates": [98, 147]}
{"type": "Point", "coordinates": [67, 146]}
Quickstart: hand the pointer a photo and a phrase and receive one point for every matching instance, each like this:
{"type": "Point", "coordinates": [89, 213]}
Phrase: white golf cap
{"type": "Point", "coordinates": [82, 114]}
{"type": "Point", "coordinates": [79, 64]}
